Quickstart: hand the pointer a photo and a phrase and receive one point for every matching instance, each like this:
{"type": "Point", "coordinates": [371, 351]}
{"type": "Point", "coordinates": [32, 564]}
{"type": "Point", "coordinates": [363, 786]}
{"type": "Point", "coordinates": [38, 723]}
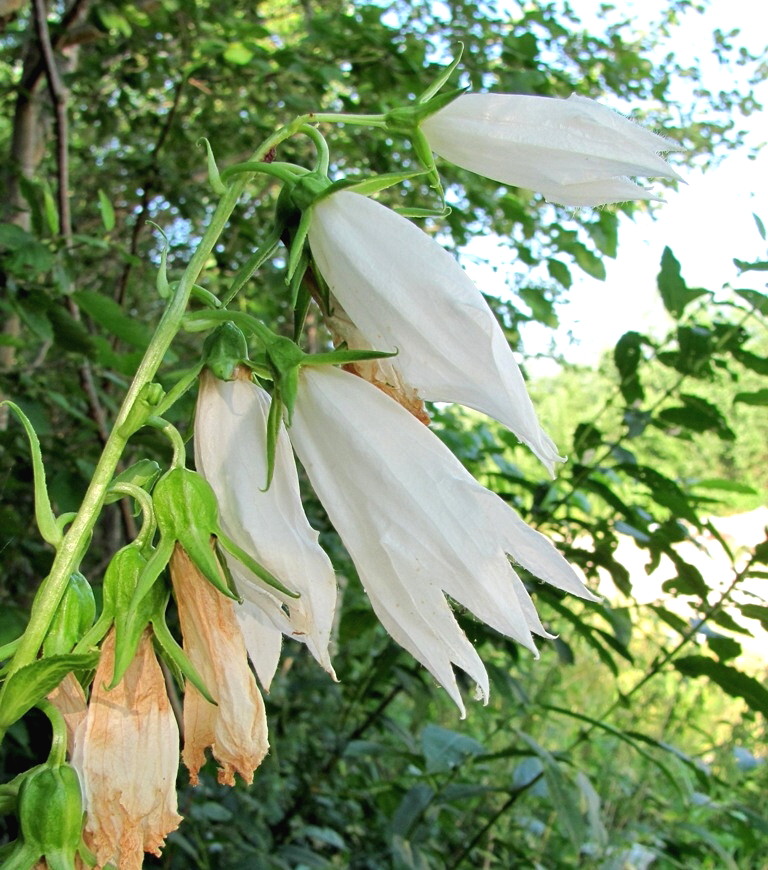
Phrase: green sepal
{"type": "Point", "coordinates": [284, 354]}
{"type": "Point", "coordinates": [208, 299]}
{"type": "Point", "coordinates": [132, 615]}
{"type": "Point", "coordinates": [253, 566]}
{"type": "Point", "coordinates": [406, 119]}
{"type": "Point", "coordinates": [254, 262]}
{"type": "Point", "coordinates": [224, 350]}
{"type": "Point", "coordinates": [27, 686]}
{"type": "Point", "coordinates": [50, 810]}
{"type": "Point", "coordinates": [161, 282]}
{"type": "Point", "coordinates": [44, 516]}
{"type": "Point", "coordinates": [9, 792]}
{"type": "Point", "coordinates": [323, 154]}
{"type": "Point", "coordinates": [407, 212]}
{"type": "Point", "coordinates": [199, 321]}
{"type": "Point", "coordinates": [370, 185]}
{"type": "Point", "coordinates": [301, 299]}
{"type": "Point", "coordinates": [287, 172]}
{"type": "Point", "coordinates": [142, 474]}
{"type": "Point", "coordinates": [297, 251]}
{"type": "Point", "coordinates": [172, 651]}
{"type": "Point", "coordinates": [187, 512]}
{"type": "Point", "coordinates": [214, 178]}
{"type": "Point", "coordinates": [274, 419]}
{"type": "Point", "coordinates": [340, 357]}
{"type": "Point", "coordinates": [442, 78]}
{"type": "Point", "coordinates": [304, 193]}
{"type": "Point", "coordinates": [427, 159]}
{"type": "Point", "coordinates": [23, 856]}
{"type": "Point", "coordinates": [73, 617]}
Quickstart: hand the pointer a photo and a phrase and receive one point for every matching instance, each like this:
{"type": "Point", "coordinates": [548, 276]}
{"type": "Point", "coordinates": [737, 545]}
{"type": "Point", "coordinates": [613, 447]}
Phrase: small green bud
{"type": "Point", "coordinates": [73, 617]}
{"type": "Point", "coordinates": [186, 511]}
{"type": "Point", "coordinates": [144, 407]}
{"type": "Point", "coordinates": [51, 814]}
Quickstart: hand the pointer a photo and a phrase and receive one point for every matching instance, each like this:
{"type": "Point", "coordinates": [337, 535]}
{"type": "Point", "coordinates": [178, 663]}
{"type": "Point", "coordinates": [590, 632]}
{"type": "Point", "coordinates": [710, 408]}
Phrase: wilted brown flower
{"type": "Point", "coordinates": [235, 729]}
{"type": "Point", "coordinates": [129, 759]}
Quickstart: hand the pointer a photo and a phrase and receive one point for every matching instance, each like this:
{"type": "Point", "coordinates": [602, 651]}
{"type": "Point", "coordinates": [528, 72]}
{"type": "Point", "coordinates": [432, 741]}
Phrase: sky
{"type": "Point", "coordinates": [706, 222]}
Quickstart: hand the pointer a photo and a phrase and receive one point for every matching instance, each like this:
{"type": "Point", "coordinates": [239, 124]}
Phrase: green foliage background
{"type": "Point", "coordinates": [637, 739]}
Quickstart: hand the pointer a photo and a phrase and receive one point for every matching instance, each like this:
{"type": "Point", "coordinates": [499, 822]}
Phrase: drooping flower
{"type": "Point", "coordinates": [418, 526]}
{"type": "Point", "coordinates": [128, 757]}
{"type": "Point", "coordinates": [236, 728]}
{"type": "Point", "coordinates": [574, 151]}
{"type": "Point", "coordinates": [406, 293]}
{"type": "Point", "coordinates": [230, 452]}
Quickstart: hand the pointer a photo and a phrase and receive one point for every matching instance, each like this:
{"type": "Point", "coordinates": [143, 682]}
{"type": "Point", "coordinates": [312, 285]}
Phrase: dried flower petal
{"type": "Point", "coordinates": [235, 729]}
{"type": "Point", "coordinates": [130, 758]}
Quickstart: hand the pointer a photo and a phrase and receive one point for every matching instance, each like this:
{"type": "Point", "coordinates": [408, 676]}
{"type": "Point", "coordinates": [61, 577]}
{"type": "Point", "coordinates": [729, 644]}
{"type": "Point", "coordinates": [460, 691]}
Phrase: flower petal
{"type": "Point", "coordinates": [416, 525]}
{"type": "Point", "coordinates": [129, 757]}
{"type": "Point", "coordinates": [230, 452]}
{"type": "Point", "coordinates": [404, 292]}
{"type": "Point", "coordinates": [562, 148]}
{"type": "Point", "coordinates": [236, 728]}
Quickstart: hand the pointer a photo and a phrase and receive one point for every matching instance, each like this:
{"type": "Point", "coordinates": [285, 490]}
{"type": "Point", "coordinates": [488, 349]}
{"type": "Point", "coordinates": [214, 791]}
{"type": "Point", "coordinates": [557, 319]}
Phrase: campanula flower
{"type": "Point", "coordinates": [406, 293]}
{"type": "Point", "coordinates": [418, 526]}
{"type": "Point", "coordinates": [574, 151]}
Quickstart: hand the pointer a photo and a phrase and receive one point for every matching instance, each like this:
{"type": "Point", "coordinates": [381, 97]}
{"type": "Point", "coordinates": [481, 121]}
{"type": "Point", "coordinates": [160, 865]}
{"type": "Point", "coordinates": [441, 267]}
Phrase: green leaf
{"type": "Point", "coordinates": [675, 294]}
{"type": "Point", "coordinates": [69, 334]}
{"type": "Point", "coordinates": [696, 350]}
{"type": "Point", "coordinates": [626, 357]}
{"type": "Point", "coordinates": [664, 491]}
{"type": "Point", "coordinates": [755, 611]}
{"type": "Point", "coordinates": [560, 272]}
{"type": "Point", "coordinates": [142, 473]}
{"type": "Point", "coordinates": [759, 266]}
{"type": "Point", "coordinates": [718, 483]}
{"type": "Point", "coordinates": [752, 361]}
{"type": "Point", "coordinates": [411, 808]}
{"type": "Point", "coordinates": [238, 53]}
{"type": "Point", "coordinates": [107, 211]}
{"type": "Point", "coordinates": [563, 795]}
{"type": "Point", "coordinates": [30, 684]}
{"type": "Point", "coordinates": [735, 683]}
{"type": "Point", "coordinates": [759, 397]}
{"type": "Point", "coordinates": [108, 314]}
{"type": "Point", "coordinates": [758, 301]}
{"type": "Point", "coordinates": [444, 750]}
{"type": "Point", "coordinates": [589, 262]}
{"type": "Point", "coordinates": [698, 415]}
{"type": "Point", "coordinates": [542, 309]}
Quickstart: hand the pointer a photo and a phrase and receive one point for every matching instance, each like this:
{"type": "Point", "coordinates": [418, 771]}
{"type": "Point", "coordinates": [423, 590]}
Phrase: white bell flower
{"type": "Point", "coordinates": [574, 151]}
{"type": "Point", "coordinates": [231, 454]}
{"type": "Point", "coordinates": [418, 526]}
{"type": "Point", "coordinates": [406, 293]}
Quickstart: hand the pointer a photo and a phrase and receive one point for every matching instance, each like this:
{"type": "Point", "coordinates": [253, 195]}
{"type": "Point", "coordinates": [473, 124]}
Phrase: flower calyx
{"type": "Point", "coordinates": [50, 808]}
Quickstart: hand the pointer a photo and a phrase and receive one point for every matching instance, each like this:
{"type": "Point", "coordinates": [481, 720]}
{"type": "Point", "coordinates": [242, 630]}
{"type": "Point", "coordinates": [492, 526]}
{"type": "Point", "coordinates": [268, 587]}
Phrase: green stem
{"type": "Point", "coordinates": [74, 543]}
{"type": "Point", "coordinates": [58, 753]}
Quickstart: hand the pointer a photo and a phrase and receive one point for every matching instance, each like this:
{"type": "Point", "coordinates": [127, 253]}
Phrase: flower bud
{"type": "Point", "coordinates": [73, 617]}
{"type": "Point", "coordinates": [51, 814]}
